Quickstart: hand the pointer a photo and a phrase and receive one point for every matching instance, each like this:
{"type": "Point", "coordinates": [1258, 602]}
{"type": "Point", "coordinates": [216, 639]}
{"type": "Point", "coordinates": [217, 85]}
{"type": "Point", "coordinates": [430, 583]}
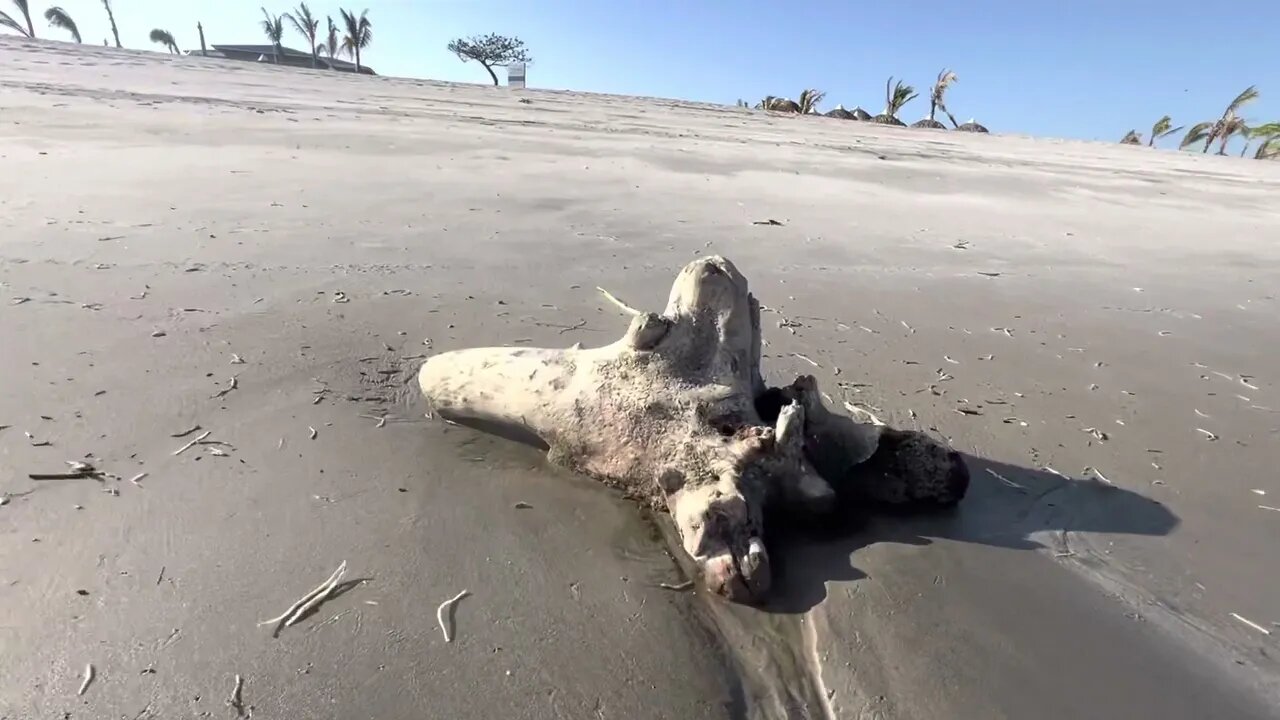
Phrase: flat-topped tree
{"type": "Point", "coordinates": [490, 51]}
{"type": "Point", "coordinates": [60, 18]}
{"type": "Point", "coordinates": [7, 21]}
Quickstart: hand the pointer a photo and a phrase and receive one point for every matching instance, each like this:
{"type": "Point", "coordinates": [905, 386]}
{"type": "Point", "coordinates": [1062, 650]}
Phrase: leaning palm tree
{"type": "Point", "coordinates": [809, 99]}
{"type": "Point", "coordinates": [165, 38]}
{"type": "Point", "coordinates": [331, 46]}
{"type": "Point", "coordinates": [1162, 129]}
{"type": "Point", "coordinates": [115, 32]}
{"type": "Point", "coordinates": [359, 33]}
{"type": "Point", "coordinates": [895, 96]}
{"type": "Point", "coordinates": [1269, 150]}
{"type": "Point", "coordinates": [1232, 127]}
{"type": "Point", "coordinates": [1229, 124]}
{"type": "Point", "coordinates": [9, 22]}
{"type": "Point", "coordinates": [306, 24]}
{"type": "Point", "coordinates": [1133, 137]}
{"type": "Point", "coordinates": [778, 104]}
{"type": "Point", "coordinates": [938, 94]}
{"type": "Point", "coordinates": [273, 26]}
{"type": "Point", "coordinates": [59, 18]}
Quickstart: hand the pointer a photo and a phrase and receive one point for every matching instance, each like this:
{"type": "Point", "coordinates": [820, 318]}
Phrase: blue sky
{"type": "Point", "coordinates": [1088, 69]}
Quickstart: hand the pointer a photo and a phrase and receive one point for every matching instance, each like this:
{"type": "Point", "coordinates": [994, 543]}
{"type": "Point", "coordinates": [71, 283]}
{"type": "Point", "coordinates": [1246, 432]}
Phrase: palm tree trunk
{"type": "Point", "coordinates": [315, 58]}
{"type": "Point", "coordinates": [933, 108]}
{"type": "Point", "coordinates": [491, 73]}
{"type": "Point", "coordinates": [115, 32]}
{"type": "Point", "coordinates": [203, 50]}
{"type": "Point", "coordinates": [357, 58]}
{"type": "Point", "coordinates": [31, 30]}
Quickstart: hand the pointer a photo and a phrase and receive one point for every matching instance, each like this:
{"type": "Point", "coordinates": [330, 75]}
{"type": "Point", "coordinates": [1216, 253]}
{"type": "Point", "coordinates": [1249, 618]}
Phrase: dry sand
{"type": "Point", "coordinates": [159, 216]}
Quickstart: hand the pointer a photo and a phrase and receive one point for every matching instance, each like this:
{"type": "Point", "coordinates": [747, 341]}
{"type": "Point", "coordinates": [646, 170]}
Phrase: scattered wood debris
{"type": "Point", "coordinates": [1099, 434]}
{"type": "Point", "coordinates": [522, 505]}
{"type": "Point", "coordinates": [186, 432]}
{"type": "Point", "coordinates": [767, 221]}
{"type": "Point", "coordinates": [950, 359]}
{"type": "Point", "coordinates": [967, 411]}
{"type": "Point", "coordinates": [192, 443]}
{"type": "Point", "coordinates": [88, 679]}
{"type": "Point", "coordinates": [677, 586]}
{"type": "Point", "coordinates": [234, 702]}
{"type": "Point", "coordinates": [1251, 623]}
{"type": "Point", "coordinates": [1096, 473]}
{"type": "Point", "coordinates": [340, 297]}
{"type": "Point", "coordinates": [137, 479]}
{"type": "Point", "coordinates": [223, 392]}
{"type": "Point", "coordinates": [313, 432]}
{"type": "Point", "coordinates": [236, 360]}
{"type": "Point", "coordinates": [618, 303]}
{"type": "Point", "coordinates": [1211, 437]}
{"type": "Point", "coordinates": [806, 359]}
{"type": "Point", "coordinates": [308, 601]}
{"type": "Point", "coordinates": [1268, 507]}
{"type": "Point", "coordinates": [447, 607]}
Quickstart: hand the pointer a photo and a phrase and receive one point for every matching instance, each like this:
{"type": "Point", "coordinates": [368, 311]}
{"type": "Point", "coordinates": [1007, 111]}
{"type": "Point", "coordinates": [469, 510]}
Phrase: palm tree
{"type": "Point", "coordinates": [1268, 134]}
{"type": "Point", "coordinates": [59, 18]}
{"type": "Point", "coordinates": [115, 32]}
{"type": "Point", "coordinates": [938, 93]}
{"type": "Point", "coordinates": [1232, 127]}
{"type": "Point", "coordinates": [273, 26]}
{"type": "Point", "coordinates": [1269, 150]}
{"type": "Point", "coordinates": [1133, 137]}
{"type": "Point", "coordinates": [1162, 129]}
{"type": "Point", "coordinates": [895, 96]}
{"type": "Point", "coordinates": [331, 47]}
{"type": "Point", "coordinates": [306, 24]}
{"type": "Point", "coordinates": [165, 38]}
{"type": "Point", "coordinates": [9, 22]}
{"type": "Point", "coordinates": [809, 99]}
{"type": "Point", "coordinates": [359, 33]}
{"type": "Point", "coordinates": [1222, 128]}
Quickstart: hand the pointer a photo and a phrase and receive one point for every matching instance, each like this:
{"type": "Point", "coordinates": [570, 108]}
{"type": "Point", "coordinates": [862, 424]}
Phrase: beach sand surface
{"type": "Point", "coordinates": [168, 224]}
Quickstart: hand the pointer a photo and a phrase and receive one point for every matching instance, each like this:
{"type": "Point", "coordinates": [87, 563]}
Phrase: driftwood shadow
{"type": "Point", "coordinates": [806, 555]}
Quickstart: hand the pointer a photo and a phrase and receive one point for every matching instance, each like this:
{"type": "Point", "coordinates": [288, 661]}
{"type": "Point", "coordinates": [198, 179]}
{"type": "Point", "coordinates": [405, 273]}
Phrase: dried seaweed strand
{"type": "Point", "coordinates": [618, 303]}
{"type": "Point", "coordinates": [333, 580]}
{"type": "Point", "coordinates": [193, 443]}
{"type": "Point", "coordinates": [448, 605]}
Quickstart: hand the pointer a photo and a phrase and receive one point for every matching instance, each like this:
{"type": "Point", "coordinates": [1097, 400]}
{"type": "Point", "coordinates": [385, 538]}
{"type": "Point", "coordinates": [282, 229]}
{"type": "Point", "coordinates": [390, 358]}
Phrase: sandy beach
{"type": "Point", "coordinates": [1093, 325]}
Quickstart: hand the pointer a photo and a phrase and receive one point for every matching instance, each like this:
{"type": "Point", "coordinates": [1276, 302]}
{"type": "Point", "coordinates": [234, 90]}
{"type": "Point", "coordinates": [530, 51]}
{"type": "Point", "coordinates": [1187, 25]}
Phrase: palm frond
{"type": "Point", "coordinates": [896, 95]}
{"type": "Point", "coordinates": [809, 99]}
{"type": "Point", "coordinates": [303, 21]}
{"type": "Point", "coordinates": [1198, 132]}
{"type": "Point", "coordinates": [1266, 130]}
{"type": "Point", "coordinates": [61, 19]}
{"type": "Point", "coordinates": [1249, 95]}
{"type": "Point", "coordinates": [1269, 150]}
{"type": "Point", "coordinates": [6, 21]}
{"type": "Point", "coordinates": [1133, 137]}
{"type": "Point", "coordinates": [944, 81]}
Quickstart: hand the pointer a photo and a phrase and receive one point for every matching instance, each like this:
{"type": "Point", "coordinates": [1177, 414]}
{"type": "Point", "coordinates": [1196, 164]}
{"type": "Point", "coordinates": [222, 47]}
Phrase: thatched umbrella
{"type": "Point", "coordinates": [860, 114]}
{"type": "Point", "coordinates": [972, 127]}
{"type": "Point", "coordinates": [886, 119]}
{"type": "Point", "coordinates": [840, 112]}
{"type": "Point", "coordinates": [928, 123]}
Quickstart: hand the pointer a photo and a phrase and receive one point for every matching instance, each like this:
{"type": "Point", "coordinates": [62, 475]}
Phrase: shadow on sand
{"type": "Point", "coordinates": [993, 513]}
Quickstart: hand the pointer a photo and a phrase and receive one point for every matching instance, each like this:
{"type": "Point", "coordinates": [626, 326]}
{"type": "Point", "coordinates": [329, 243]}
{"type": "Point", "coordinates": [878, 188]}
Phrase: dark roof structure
{"type": "Point", "coordinates": [288, 56]}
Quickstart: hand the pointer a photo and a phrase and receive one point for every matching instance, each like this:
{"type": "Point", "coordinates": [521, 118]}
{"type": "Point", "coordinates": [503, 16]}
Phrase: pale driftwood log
{"type": "Point", "coordinates": [676, 413]}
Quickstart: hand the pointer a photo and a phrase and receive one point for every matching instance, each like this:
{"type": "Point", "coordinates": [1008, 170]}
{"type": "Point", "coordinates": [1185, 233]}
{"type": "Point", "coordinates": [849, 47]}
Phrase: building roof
{"type": "Point", "coordinates": [220, 50]}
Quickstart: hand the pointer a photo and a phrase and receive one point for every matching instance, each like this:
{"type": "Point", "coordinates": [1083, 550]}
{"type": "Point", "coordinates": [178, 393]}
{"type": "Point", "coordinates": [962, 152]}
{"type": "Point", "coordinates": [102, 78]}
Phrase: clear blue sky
{"type": "Point", "coordinates": [1087, 69]}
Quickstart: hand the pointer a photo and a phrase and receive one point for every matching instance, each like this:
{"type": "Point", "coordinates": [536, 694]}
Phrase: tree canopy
{"type": "Point", "coordinates": [490, 50]}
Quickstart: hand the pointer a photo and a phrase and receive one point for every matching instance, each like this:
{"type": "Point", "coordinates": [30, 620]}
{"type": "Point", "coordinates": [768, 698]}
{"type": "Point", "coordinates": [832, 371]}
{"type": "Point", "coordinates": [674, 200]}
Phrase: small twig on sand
{"type": "Point", "coordinates": [1251, 624]}
{"type": "Point", "coordinates": [576, 326]}
{"type": "Point", "coordinates": [234, 701]}
{"type": "Point", "coordinates": [677, 587]}
{"type": "Point", "coordinates": [1097, 474]}
{"type": "Point", "coordinates": [137, 479]}
{"type": "Point", "coordinates": [859, 412]}
{"type": "Point", "coordinates": [1208, 435]}
{"type": "Point", "coordinates": [618, 303]}
{"type": "Point", "coordinates": [192, 443]}
{"type": "Point", "coordinates": [236, 360]}
{"type": "Point", "coordinates": [806, 359]}
{"type": "Point", "coordinates": [447, 607]}
{"type": "Point", "coordinates": [186, 432]}
{"type": "Point", "coordinates": [88, 678]}
{"type": "Point", "coordinates": [1007, 481]}
{"type": "Point", "coordinates": [313, 432]}
{"type": "Point", "coordinates": [227, 389]}
{"type": "Point", "coordinates": [324, 588]}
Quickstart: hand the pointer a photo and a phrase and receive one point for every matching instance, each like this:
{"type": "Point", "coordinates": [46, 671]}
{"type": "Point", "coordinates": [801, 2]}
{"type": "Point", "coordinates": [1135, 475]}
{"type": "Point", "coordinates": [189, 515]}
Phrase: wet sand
{"type": "Point", "coordinates": [161, 216]}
